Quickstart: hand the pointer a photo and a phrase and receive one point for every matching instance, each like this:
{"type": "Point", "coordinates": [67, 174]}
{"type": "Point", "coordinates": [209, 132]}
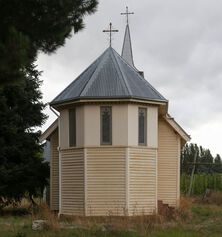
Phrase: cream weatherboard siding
{"type": "Point", "coordinates": [142, 181]}
{"type": "Point", "coordinates": [54, 172]}
{"type": "Point", "coordinates": [105, 181]}
{"type": "Point", "coordinates": [72, 173]}
{"type": "Point", "coordinates": [168, 164]}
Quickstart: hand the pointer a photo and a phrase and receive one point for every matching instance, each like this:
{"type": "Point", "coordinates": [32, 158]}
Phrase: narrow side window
{"type": "Point", "coordinates": [72, 127]}
{"type": "Point", "coordinates": [106, 125]}
{"type": "Point", "coordinates": [142, 126]}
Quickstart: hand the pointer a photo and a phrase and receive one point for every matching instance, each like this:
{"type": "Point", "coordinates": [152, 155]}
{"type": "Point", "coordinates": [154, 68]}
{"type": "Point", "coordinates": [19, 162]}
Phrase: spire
{"type": "Point", "coordinates": [127, 52]}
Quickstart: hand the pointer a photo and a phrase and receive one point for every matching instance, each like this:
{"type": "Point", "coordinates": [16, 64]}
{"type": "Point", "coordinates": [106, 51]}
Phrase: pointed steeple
{"type": "Point", "coordinates": [127, 52]}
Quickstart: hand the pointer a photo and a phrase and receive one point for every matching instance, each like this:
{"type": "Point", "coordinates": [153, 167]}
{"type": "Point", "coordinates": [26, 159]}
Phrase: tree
{"type": "Point", "coordinates": [27, 27]}
{"type": "Point", "coordinates": [187, 157]}
{"type": "Point", "coordinates": [22, 171]}
{"type": "Point", "coordinates": [206, 158]}
{"type": "Point", "coordinates": [203, 156]}
{"type": "Point", "coordinates": [218, 164]}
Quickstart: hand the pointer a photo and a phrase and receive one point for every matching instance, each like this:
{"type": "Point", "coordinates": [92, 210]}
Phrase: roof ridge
{"type": "Point", "coordinates": [78, 78]}
{"type": "Point", "coordinates": [89, 82]}
{"type": "Point", "coordinates": [121, 71]}
{"type": "Point", "coordinates": [142, 78]}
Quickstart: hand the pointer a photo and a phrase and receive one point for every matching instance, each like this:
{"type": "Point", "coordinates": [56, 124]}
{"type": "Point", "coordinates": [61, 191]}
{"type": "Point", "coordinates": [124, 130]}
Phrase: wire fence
{"type": "Point", "coordinates": [200, 183]}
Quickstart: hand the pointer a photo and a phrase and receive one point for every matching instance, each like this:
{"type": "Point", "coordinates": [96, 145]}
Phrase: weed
{"type": "Point", "coordinates": [201, 211]}
{"type": "Point", "coordinates": [46, 214]}
{"type": "Point", "coordinates": [20, 234]}
{"type": "Point", "coordinates": [193, 219]}
{"type": "Point", "coordinates": [183, 211]}
{"type": "Point", "coordinates": [216, 198]}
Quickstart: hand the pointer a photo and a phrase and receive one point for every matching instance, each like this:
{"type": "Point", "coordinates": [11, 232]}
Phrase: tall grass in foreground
{"type": "Point", "coordinates": [43, 212]}
{"type": "Point", "coordinates": [193, 218]}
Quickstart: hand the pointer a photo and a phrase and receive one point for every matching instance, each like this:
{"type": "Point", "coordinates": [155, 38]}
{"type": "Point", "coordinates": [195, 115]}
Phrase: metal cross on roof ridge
{"type": "Point", "coordinates": [110, 31]}
{"type": "Point", "coordinates": [127, 13]}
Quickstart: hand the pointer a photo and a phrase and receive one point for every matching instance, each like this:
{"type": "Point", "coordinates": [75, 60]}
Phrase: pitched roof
{"type": "Point", "coordinates": [49, 131]}
{"type": "Point", "coordinates": [127, 52]}
{"type": "Point", "coordinates": [170, 120]}
{"type": "Point", "coordinates": [109, 76]}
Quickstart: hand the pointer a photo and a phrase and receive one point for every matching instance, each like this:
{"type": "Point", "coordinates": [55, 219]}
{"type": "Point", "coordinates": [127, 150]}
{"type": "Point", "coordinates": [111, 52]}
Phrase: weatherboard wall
{"type": "Point", "coordinates": [105, 182]}
{"type": "Point", "coordinates": [168, 164]}
{"type": "Point", "coordinates": [54, 171]}
{"type": "Point", "coordinates": [72, 182]}
{"type": "Point", "coordinates": [142, 181]}
{"type": "Point", "coordinates": [123, 178]}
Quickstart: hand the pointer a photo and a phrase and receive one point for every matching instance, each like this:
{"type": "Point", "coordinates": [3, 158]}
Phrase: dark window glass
{"type": "Point", "coordinates": [142, 126]}
{"type": "Point", "coordinates": [72, 127]}
{"type": "Point", "coordinates": [106, 125]}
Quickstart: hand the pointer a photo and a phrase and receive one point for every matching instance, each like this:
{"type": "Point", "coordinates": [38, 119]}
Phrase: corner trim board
{"type": "Point", "coordinates": [178, 171]}
{"type": "Point", "coordinates": [156, 182]}
{"type": "Point", "coordinates": [85, 180]}
{"type": "Point", "coordinates": [60, 172]}
{"type": "Point", "coordinates": [127, 181]}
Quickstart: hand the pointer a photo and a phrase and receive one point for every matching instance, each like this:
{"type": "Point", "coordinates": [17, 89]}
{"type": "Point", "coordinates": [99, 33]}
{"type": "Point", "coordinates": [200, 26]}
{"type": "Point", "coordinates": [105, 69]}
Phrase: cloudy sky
{"type": "Point", "coordinates": [178, 45]}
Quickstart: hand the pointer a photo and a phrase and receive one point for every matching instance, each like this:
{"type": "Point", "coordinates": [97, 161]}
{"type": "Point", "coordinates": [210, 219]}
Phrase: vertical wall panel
{"type": "Point", "coordinates": [72, 182]}
{"type": "Point", "coordinates": [91, 125]}
{"type": "Point", "coordinates": [120, 125]}
{"type": "Point", "coordinates": [64, 129]}
{"type": "Point", "coordinates": [167, 164]}
{"type": "Point", "coordinates": [54, 172]}
{"type": "Point", "coordinates": [142, 181]}
{"type": "Point", "coordinates": [152, 126]}
{"type": "Point", "coordinates": [106, 192]}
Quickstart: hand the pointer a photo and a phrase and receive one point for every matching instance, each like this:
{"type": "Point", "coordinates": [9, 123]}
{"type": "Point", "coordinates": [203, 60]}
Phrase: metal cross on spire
{"type": "Point", "coordinates": [127, 13]}
{"type": "Point", "coordinates": [110, 31]}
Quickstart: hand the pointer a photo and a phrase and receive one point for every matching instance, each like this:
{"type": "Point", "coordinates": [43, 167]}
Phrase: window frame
{"type": "Point", "coordinates": [101, 125]}
{"type": "Point", "coordinates": [145, 126]}
{"type": "Point", "coordinates": [74, 127]}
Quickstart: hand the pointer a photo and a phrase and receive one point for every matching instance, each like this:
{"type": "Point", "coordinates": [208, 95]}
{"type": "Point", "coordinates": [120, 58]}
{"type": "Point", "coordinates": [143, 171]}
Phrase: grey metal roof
{"type": "Point", "coordinates": [109, 76]}
{"type": "Point", "coordinates": [127, 52]}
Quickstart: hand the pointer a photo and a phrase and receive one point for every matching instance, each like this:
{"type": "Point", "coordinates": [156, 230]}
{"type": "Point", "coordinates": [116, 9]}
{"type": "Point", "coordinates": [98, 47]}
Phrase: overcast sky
{"type": "Point", "coordinates": [178, 45]}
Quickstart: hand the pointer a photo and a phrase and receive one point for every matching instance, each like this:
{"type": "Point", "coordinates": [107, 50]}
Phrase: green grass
{"type": "Point", "coordinates": [205, 220]}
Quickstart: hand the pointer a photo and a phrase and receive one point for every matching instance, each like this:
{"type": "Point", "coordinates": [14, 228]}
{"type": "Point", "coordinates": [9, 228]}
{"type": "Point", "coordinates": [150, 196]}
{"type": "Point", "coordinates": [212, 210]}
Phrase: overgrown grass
{"type": "Point", "coordinates": [194, 218]}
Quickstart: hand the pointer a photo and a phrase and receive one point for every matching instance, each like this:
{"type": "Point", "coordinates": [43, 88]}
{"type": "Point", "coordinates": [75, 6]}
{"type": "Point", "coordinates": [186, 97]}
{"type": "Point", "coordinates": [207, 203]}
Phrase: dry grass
{"type": "Point", "coordinates": [193, 218]}
{"type": "Point", "coordinates": [43, 212]}
{"type": "Point", "coordinates": [216, 198]}
{"type": "Point", "coordinates": [142, 223]}
{"type": "Point", "coordinates": [184, 209]}
{"type": "Point", "coordinates": [191, 212]}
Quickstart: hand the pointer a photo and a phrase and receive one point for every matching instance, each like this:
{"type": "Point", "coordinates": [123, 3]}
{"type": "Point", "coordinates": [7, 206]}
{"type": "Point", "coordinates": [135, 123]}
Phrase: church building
{"type": "Point", "coordinates": [114, 149]}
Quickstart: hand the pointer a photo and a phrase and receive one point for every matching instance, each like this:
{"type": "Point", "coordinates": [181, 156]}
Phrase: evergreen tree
{"type": "Point", "coordinates": [206, 158]}
{"type": "Point", "coordinates": [187, 157]}
{"type": "Point", "coordinates": [203, 156]}
{"type": "Point", "coordinates": [22, 169]}
{"type": "Point", "coordinates": [26, 28]}
{"type": "Point", "coordinates": [218, 164]}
